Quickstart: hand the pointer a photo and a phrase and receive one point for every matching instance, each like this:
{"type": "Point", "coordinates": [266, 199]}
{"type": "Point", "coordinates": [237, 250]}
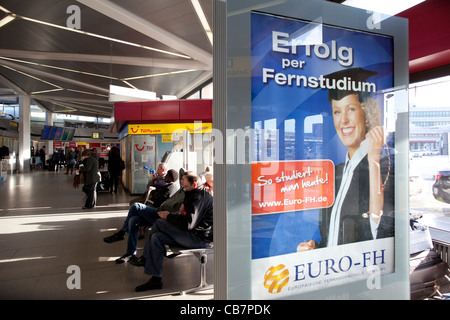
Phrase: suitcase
{"type": "Point", "coordinates": [103, 185]}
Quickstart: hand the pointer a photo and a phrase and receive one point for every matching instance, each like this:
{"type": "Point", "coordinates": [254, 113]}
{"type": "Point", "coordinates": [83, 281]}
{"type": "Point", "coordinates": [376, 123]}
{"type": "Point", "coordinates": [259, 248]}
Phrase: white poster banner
{"type": "Point", "coordinates": [300, 272]}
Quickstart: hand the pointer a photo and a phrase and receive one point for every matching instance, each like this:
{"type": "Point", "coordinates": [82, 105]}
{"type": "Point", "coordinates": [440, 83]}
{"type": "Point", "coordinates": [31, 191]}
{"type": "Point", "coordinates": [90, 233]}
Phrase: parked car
{"type": "Point", "coordinates": [441, 187]}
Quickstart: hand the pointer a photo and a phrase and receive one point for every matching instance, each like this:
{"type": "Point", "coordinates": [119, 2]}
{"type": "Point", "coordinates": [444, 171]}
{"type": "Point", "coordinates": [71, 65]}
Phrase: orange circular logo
{"type": "Point", "coordinates": [276, 278]}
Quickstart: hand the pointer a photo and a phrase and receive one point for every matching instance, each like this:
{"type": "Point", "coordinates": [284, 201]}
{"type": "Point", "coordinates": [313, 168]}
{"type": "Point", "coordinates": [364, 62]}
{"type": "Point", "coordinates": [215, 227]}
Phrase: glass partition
{"type": "Point", "coordinates": [143, 155]}
{"type": "Point", "coordinates": [429, 157]}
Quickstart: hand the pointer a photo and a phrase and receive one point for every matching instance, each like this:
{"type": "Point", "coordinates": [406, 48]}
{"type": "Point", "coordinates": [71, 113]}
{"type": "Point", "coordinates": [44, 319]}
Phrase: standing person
{"type": "Point", "coordinates": [114, 168]}
{"type": "Point", "coordinates": [42, 152]}
{"type": "Point", "coordinates": [80, 154]}
{"type": "Point", "coordinates": [4, 152]}
{"type": "Point", "coordinates": [71, 155]}
{"type": "Point", "coordinates": [91, 178]}
{"type": "Point", "coordinates": [94, 153]}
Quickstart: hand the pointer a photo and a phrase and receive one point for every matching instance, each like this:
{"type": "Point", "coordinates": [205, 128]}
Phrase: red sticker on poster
{"type": "Point", "coordinates": [292, 185]}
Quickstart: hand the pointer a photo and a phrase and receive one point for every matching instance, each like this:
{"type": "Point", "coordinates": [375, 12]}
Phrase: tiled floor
{"type": "Point", "coordinates": [44, 231]}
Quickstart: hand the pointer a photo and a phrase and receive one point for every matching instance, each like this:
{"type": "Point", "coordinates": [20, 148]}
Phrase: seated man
{"type": "Point", "coordinates": [192, 227]}
{"type": "Point", "coordinates": [140, 215]}
{"type": "Point", "coordinates": [156, 180]}
{"type": "Point", "coordinates": [162, 193]}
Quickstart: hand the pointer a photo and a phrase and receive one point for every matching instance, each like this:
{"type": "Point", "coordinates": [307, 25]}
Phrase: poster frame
{"type": "Point", "coordinates": [232, 102]}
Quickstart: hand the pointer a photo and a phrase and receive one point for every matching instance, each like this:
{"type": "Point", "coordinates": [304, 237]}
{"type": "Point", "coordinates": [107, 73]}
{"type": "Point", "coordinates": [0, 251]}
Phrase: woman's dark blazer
{"type": "Point", "coordinates": [354, 225]}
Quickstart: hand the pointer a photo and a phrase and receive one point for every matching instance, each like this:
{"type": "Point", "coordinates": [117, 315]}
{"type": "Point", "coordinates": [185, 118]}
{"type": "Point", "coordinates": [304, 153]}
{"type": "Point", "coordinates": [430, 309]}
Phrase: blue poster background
{"type": "Point", "coordinates": [302, 115]}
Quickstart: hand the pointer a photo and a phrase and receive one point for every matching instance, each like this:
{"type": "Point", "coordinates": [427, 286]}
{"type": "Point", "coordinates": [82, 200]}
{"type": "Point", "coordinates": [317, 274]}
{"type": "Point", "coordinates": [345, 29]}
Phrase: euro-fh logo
{"type": "Point", "coordinates": [276, 278]}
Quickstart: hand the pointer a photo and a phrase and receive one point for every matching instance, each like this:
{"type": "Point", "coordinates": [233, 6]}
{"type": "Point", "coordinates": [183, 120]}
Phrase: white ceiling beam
{"type": "Point", "coordinates": [74, 104]}
{"type": "Point", "coordinates": [73, 99]}
{"type": "Point", "coordinates": [9, 96]}
{"type": "Point", "coordinates": [92, 109]}
{"type": "Point", "coordinates": [51, 76]}
{"type": "Point", "coordinates": [149, 29]}
{"type": "Point", "coordinates": [93, 58]}
{"type": "Point", "coordinates": [201, 79]}
{"type": "Point", "coordinates": [19, 91]}
{"type": "Point", "coordinates": [12, 85]}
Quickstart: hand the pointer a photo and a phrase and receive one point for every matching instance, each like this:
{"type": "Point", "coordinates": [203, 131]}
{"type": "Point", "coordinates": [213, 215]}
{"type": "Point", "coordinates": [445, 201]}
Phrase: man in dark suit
{"type": "Point", "coordinates": [191, 227]}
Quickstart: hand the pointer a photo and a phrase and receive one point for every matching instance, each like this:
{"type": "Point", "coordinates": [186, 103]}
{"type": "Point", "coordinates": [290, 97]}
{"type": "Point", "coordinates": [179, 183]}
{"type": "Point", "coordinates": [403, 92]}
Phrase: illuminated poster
{"type": "Point", "coordinates": [322, 173]}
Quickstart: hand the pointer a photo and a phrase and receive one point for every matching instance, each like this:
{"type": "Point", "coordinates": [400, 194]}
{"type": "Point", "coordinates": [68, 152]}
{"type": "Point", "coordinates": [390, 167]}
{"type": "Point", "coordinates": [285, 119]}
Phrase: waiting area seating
{"type": "Point", "coordinates": [46, 232]}
{"type": "Point", "coordinates": [202, 256]}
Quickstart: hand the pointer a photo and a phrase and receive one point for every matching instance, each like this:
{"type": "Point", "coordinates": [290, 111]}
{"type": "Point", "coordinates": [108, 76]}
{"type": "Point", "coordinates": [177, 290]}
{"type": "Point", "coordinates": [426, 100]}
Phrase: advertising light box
{"type": "Point", "coordinates": [330, 185]}
{"type": "Point", "coordinates": [316, 211]}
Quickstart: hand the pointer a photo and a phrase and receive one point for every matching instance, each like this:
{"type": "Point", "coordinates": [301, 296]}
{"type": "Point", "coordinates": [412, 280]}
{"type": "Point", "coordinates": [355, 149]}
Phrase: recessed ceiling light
{"type": "Point", "coordinates": [11, 16]}
{"type": "Point", "coordinates": [6, 20]}
{"type": "Point", "coordinates": [202, 17]}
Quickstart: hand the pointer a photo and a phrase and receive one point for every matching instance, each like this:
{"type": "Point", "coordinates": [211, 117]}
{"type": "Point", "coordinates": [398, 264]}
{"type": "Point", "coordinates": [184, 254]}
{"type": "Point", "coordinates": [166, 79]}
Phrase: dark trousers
{"type": "Point", "coordinates": [113, 181]}
{"type": "Point", "coordinates": [91, 193]}
{"type": "Point", "coordinates": [163, 233]}
{"type": "Point", "coordinates": [139, 215]}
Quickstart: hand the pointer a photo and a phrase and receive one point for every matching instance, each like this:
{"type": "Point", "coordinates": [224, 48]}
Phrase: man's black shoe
{"type": "Point", "coordinates": [124, 258]}
{"type": "Point", "coordinates": [115, 237]}
{"type": "Point", "coordinates": [138, 262]}
{"type": "Point", "coordinates": [152, 284]}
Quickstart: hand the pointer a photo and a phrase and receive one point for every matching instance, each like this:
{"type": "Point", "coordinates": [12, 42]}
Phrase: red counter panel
{"type": "Point", "coordinates": [127, 111]}
{"type": "Point", "coordinates": [160, 110]}
{"type": "Point", "coordinates": [170, 111]}
{"type": "Point", "coordinates": [196, 110]}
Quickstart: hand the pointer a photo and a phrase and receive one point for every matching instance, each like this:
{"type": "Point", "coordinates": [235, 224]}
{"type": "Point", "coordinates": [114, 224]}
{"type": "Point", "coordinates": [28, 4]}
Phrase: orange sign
{"type": "Point", "coordinates": [292, 185]}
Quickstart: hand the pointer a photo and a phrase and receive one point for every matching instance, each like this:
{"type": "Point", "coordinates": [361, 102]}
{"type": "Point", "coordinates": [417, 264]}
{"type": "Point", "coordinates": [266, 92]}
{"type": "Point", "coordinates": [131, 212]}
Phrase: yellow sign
{"type": "Point", "coordinates": [168, 128]}
{"type": "Point", "coordinates": [166, 138]}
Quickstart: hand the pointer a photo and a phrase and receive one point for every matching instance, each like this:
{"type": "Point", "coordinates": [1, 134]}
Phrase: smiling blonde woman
{"type": "Point", "coordinates": [364, 207]}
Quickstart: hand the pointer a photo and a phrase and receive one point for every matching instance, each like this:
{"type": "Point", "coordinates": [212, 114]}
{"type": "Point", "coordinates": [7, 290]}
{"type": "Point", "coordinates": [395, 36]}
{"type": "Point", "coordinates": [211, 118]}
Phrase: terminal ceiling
{"type": "Point", "coordinates": [152, 45]}
{"type": "Point", "coordinates": [157, 45]}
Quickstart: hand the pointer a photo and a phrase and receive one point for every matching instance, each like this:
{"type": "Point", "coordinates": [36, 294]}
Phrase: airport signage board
{"type": "Point", "coordinates": [168, 128]}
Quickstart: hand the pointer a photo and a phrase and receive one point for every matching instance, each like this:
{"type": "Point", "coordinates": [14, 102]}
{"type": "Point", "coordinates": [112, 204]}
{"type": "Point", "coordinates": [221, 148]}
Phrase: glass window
{"type": "Point", "coordinates": [207, 92]}
{"type": "Point", "coordinates": [430, 156]}
{"type": "Point", "coordinates": [195, 95]}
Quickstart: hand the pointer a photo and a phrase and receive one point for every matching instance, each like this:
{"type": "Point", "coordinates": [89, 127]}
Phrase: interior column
{"type": "Point", "coordinates": [24, 133]}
